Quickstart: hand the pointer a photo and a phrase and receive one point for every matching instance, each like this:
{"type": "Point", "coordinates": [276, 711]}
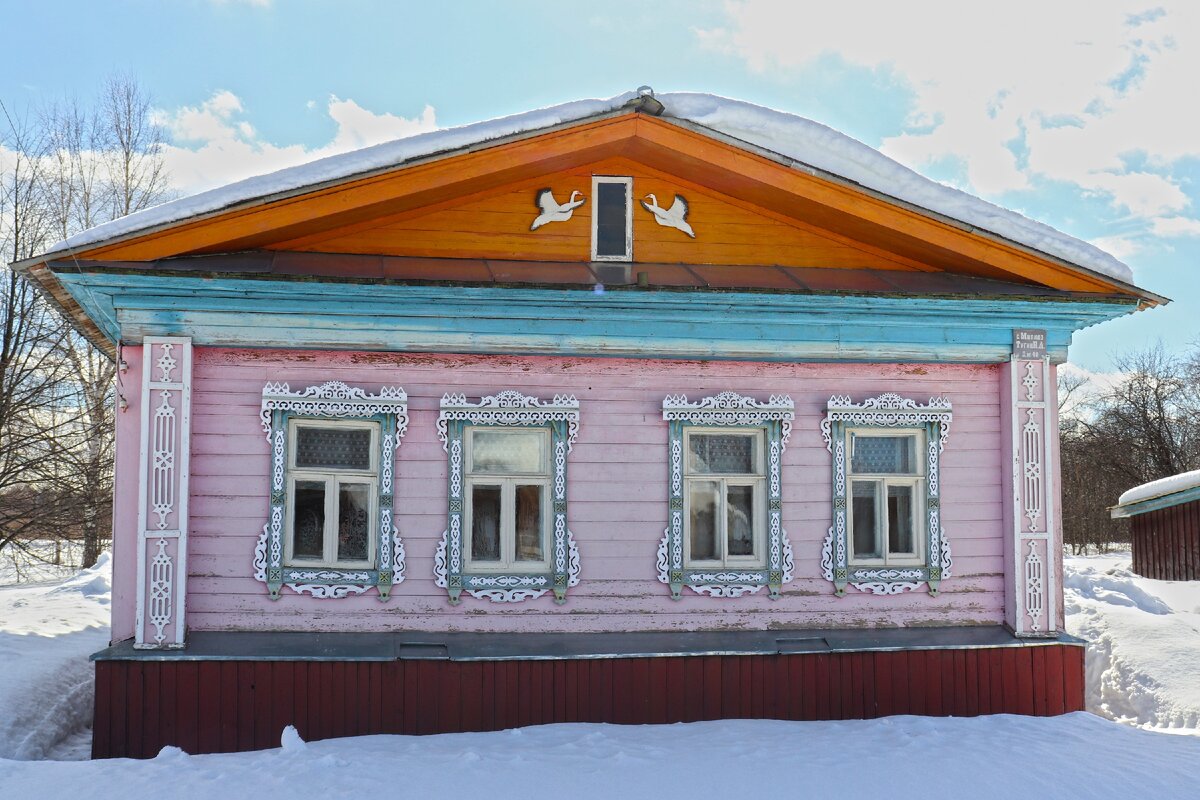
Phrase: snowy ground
{"type": "Point", "coordinates": [47, 632]}
{"type": "Point", "coordinates": [1143, 669]}
{"type": "Point", "coordinates": [1143, 663]}
{"type": "Point", "coordinates": [1076, 756]}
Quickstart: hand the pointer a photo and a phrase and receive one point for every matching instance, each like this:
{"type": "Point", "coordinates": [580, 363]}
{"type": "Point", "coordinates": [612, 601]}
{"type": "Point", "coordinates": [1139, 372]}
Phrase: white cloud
{"type": "Point", "coordinates": [1175, 226]}
{"type": "Point", "coordinates": [212, 144]}
{"type": "Point", "coordinates": [1120, 246]}
{"type": "Point", "coordinates": [1065, 91]}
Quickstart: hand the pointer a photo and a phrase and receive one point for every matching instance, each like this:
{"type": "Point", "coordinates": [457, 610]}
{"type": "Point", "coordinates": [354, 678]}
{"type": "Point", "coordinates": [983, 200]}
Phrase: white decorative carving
{"type": "Point", "coordinates": [166, 362]}
{"type": "Point", "coordinates": [162, 478]}
{"type": "Point", "coordinates": [1031, 444]}
{"type": "Point", "coordinates": [510, 407]}
{"type": "Point", "coordinates": [552, 211]}
{"type": "Point", "coordinates": [728, 409]}
{"type": "Point", "coordinates": [888, 410]}
{"type": "Point", "coordinates": [1030, 381]}
{"type": "Point", "coordinates": [1035, 587]}
{"type": "Point", "coordinates": [673, 217]}
{"type": "Point", "coordinates": [162, 572]}
{"type": "Point", "coordinates": [332, 399]}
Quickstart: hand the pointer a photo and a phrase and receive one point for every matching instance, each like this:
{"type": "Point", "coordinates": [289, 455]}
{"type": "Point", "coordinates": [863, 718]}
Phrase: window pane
{"type": "Point", "coordinates": [610, 219]}
{"type": "Point", "coordinates": [333, 448]}
{"type": "Point", "coordinates": [900, 519]}
{"type": "Point", "coordinates": [485, 523]}
{"type": "Point", "coordinates": [503, 452]}
{"type": "Point", "coordinates": [702, 515]}
{"type": "Point", "coordinates": [739, 524]}
{"type": "Point", "coordinates": [883, 454]}
{"type": "Point", "coordinates": [866, 526]}
{"type": "Point", "coordinates": [354, 521]}
{"type": "Point", "coordinates": [308, 520]}
{"type": "Point", "coordinates": [727, 453]}
{"type": "Point", "coordinates": [529, 523]}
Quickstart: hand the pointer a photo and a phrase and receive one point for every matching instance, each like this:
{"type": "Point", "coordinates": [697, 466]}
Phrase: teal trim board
{"type": "Point", "coordinates": [1155, 503]}
{"type": "Point", "coordinates": [240, 312]}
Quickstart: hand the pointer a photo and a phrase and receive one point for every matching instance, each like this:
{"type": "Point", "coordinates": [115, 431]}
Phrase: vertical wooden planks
{"type": "Point", "coordinates": [208, 716]}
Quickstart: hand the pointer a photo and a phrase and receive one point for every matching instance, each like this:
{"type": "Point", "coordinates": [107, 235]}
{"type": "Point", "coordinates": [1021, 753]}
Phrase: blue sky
{"type": "Point", "coordinates": [1077, 114]}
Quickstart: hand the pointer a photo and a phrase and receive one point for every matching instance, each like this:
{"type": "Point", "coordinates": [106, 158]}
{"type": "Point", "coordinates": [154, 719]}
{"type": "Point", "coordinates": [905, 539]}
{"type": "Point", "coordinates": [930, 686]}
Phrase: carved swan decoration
{"type": "Point", "coordinates": [673, 217]}
{"type": "Point", "coordinates": [552, 211]}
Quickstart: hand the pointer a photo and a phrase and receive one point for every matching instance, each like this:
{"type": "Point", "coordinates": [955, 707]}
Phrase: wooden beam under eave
{"type": "Point", "coordinates": [393, 192]}
{"type": "Point", "coordinates": [848, 210]}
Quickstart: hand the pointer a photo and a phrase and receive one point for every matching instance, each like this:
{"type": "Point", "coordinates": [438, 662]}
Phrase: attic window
{"type": "Point", "coordinates": [612, 218]}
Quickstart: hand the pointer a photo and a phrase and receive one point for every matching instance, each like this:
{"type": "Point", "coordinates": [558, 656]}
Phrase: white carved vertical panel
{"type": "Point", "coordinates": [1033, 573]}
{"type": "Point", "coordinates": [165, 404]}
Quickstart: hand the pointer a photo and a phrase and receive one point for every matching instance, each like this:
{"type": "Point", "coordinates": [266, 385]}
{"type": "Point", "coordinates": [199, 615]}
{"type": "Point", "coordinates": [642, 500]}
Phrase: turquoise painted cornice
{"type": "Point", "coordinates": [313, 314]}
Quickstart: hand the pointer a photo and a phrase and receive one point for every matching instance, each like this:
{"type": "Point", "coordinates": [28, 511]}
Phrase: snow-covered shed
{"type": "Point", "coordinates": [1164, 518]}
{"type": "Point", "coordinates": [639, 409]}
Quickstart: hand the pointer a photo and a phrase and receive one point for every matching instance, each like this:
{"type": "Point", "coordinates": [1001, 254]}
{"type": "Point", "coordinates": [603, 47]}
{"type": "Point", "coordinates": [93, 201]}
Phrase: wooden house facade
{"type": "Point", "coordinates": [600, 413]}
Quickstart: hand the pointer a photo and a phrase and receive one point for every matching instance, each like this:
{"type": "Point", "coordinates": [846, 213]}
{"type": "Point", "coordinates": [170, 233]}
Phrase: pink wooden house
{"type": "Point", "coordinates": [636, 410]}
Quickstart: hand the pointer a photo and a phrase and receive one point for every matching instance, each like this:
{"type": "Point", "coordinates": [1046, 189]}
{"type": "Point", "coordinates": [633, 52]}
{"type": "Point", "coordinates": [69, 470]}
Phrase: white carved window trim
{"type": "Point", "coordinates": [331, 400]}
{"type": "Point", "coordinates": [560, 416]}
{"type": "Point", "coordinates": [628, 184]}
{"type": "Point", "coordinates": [885, 411]}
{"type": "Point", "coordinates": [731, 411]}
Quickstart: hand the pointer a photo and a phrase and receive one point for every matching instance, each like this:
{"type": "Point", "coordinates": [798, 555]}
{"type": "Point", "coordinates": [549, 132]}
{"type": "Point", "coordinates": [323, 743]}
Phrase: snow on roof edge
{"type": "Point", "coordinates": [1162, 487]}
{"type": "Point", "coordinates": [786, 134]}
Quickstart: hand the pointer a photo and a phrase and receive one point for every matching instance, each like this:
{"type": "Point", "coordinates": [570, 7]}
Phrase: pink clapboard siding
{"type": "Point", "coordinates": [617, 493]}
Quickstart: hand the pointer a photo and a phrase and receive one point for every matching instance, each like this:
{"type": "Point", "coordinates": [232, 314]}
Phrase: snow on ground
{"type": "Point", "coordinates": [1143, 661]}
{"type": "Point", "coordinates": [1075, 756]}
{"type": "Point", "coordinates": [795, 137]}
{"type": "Point", "coordinates": [47, 632]}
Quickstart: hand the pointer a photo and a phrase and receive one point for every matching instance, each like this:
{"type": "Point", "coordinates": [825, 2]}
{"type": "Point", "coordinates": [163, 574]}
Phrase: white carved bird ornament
{"type": "Point", "coordinates": [552, 211]}
{"type": "Point", "coordinates": [673, 217]}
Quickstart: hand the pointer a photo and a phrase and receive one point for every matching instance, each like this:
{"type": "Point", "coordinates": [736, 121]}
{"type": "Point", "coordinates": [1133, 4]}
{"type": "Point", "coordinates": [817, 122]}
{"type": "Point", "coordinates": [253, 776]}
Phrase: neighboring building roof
{"type": "Point", "coordinates": [807, 143]}
{"type": "Point", "coordinates": [1162, 493]}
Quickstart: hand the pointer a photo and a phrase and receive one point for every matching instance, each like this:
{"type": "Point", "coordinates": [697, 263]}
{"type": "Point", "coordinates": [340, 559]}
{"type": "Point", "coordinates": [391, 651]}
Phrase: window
{"type": "Point", "coordinates": [725, 534]}
{"type": "Point", "coordinates": [887, 487]}
{"type": "Point", "coordinates": [332, 493]}
{"type": "Point", "coordinates": [886, 535]}
{"type": "Point", "coordinates": [330, 530]}
{"type": "Point", "coordinates": [723, 497]}
{"type": "Point", "coordinates": [612, 218]}
{"type": "Point", "coordinates": [506, 536]}
{"type": "Point", "coordinates": [508, 484]}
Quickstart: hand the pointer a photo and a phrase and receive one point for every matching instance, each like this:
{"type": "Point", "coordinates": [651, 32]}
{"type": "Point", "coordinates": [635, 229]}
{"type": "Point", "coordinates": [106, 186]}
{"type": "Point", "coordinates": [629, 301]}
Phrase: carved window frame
{"type": "Point", "coordinates": [727, 410]}
{"type": "Point", "coordinates": [890, 411]}
{"type": "Point", "coordinates": [508, 408]}
{"type": "Point", "coordinates": [331, 400]}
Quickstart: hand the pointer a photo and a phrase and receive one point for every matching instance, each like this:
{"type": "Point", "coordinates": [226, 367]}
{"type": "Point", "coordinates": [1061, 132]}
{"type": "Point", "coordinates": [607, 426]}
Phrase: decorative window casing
{"type": "Point", "coordinates": [332, 411]}
{"type": "Point", "coordinates": [753, 436]}
{"type": "Point", "coordinates": [512, 573]}
{"type": "Point", "coordinates": [612, 218]}
{"type": "Point", "coordinates": [887, 420]}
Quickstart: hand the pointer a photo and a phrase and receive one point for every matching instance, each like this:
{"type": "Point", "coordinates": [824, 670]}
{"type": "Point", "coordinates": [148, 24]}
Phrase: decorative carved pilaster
{"type": "Point", "coordinates": [1030, 563]}
{"type": "Point", "coordinates": [165, 403]}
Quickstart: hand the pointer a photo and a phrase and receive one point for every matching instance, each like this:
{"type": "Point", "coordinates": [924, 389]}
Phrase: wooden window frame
{"type": "Point", "coordinates": [628, 183]}
{"type": "Point", "coordinates": [757, 479]}
{"type": "Point", "coordinates": [333, 479]}
{"type": "Point", "coordinates": [507, 482]}
{"type": "Point", "coordinates": [916, 480]}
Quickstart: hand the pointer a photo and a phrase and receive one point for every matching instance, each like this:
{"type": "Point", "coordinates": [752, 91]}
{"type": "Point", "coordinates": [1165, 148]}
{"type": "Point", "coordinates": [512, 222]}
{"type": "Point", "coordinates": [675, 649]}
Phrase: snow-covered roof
{"type": "Point", "coordinates": [1161, 487]}
{"type": "Point", "coordinates": [785, 134]}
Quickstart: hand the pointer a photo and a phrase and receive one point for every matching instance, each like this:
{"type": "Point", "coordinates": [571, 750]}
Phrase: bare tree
{"type": "Point", "coordinates": [75, 167]}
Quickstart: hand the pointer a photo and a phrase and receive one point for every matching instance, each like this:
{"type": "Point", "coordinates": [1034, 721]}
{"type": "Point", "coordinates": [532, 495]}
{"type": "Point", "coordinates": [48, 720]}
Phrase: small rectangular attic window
{"type": "Point", "coordinates": [612, 218]}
